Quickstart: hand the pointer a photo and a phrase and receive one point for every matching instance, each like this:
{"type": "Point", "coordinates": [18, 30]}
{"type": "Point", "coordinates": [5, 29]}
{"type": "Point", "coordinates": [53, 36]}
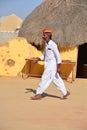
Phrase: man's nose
{"type": "Point", "coordinates": [43, 36]}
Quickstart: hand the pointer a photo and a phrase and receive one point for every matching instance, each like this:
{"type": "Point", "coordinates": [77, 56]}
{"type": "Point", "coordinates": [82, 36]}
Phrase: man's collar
{"type": "Point", "coordinates": [49, 42]}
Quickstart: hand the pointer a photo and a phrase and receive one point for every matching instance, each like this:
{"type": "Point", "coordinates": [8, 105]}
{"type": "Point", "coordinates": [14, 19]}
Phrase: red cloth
{"type": "Point", "coordinates": [47, 31]}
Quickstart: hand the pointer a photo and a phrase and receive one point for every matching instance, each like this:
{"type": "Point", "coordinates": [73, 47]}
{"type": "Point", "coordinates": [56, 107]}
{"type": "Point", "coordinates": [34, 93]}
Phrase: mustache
{"type": "Point", "coordinates": [43, 41]}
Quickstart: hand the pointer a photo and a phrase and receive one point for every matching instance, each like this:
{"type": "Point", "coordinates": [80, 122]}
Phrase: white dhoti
{"type": "Point", "coordinates": [48, 77]}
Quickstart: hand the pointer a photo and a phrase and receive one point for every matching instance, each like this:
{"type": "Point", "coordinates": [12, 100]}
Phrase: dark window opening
{"type": "Point", "coordinates": [82, 61]}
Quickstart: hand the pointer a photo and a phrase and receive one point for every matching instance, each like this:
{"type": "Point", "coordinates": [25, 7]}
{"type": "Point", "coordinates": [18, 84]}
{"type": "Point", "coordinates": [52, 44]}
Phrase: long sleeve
{"type": "Point", "coordinates": [42, 57]}
{"type": "Point", "coordinates": [57, 54]}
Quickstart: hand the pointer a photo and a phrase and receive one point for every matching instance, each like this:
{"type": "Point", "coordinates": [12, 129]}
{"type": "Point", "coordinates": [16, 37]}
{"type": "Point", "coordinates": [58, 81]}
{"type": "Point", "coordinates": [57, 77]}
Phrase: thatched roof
{"type": "Point", "coordinates": [67, 19]}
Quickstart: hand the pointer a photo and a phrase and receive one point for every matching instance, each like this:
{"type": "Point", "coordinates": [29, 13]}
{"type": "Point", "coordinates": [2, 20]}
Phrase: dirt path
{"type": "Point", "coordinates": [18, 112]}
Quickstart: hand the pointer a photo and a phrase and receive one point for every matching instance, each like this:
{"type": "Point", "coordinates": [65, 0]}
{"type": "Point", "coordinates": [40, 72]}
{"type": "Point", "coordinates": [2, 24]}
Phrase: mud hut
{"type": "Point", "coordinates": [67, 19]}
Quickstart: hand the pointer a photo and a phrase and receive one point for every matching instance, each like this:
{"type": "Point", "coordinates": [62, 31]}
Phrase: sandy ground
{"type": "Point", "coordinates": [19, 112]}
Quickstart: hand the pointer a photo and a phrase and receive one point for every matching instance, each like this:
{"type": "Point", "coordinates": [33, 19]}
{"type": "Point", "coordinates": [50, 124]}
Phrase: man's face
{"type": "Point", "coordinates": [45, 37]}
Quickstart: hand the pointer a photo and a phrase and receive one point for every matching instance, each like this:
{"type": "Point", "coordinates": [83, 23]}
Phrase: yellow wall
{"type": "Point", "coordinates": [14, 52]}
{"type": "Point", "coordinates": [69, 53]}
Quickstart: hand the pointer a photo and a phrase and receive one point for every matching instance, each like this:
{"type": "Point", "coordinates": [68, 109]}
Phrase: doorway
{"type": "Point", "coordinates": [82, 61]}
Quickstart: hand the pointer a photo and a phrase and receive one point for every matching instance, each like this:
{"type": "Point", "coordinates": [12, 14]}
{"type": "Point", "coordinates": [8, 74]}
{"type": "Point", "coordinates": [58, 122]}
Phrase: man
{"type": "Point", "coordinates": [52, 60]}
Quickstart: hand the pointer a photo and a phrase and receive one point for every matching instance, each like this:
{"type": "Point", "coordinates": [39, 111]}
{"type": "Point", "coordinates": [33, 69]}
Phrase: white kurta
{"type": "Point", "coordinates": [51, 57]}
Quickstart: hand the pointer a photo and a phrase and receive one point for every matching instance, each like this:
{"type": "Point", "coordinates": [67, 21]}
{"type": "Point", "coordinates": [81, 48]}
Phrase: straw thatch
{"type": "Point", "coordinates": [67, 19]}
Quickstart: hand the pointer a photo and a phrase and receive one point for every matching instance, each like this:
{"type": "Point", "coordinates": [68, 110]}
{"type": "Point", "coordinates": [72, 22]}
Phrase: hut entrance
{"type": "Point", "coordinates": [82, 62]}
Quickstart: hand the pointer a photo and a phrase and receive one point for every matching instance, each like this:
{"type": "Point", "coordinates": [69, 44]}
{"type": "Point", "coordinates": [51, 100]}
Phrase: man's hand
{"type": "Point", "coordinates": [58, 68]}
{"type": "Point", "coordinates": [36, 59]}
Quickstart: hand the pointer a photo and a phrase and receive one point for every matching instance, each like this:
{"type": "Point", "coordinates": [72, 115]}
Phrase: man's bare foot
{"type": "Point", "coordinates": [65, 96]}
{"type": "Point", "coordinates": [36, 97]}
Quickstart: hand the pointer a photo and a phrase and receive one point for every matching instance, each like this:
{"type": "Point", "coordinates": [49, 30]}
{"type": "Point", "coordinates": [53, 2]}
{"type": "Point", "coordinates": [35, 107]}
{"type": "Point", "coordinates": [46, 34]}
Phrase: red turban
{"type": "Point", "coordinates": [47, 31]}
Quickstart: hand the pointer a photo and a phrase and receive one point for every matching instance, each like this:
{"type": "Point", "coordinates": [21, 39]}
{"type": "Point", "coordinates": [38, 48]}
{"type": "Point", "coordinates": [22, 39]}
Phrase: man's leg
{"type": "Point", "coordinates": [46, 79]}
{"type": "Point", "coordinates": [60, 85]}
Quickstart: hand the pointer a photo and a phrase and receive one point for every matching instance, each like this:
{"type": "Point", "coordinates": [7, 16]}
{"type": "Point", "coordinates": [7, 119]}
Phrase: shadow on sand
{"type": "Point", "coordinates": [28, 90]}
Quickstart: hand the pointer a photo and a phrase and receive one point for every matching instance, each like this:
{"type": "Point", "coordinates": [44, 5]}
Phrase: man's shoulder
{"type": "Point", "coordinates": [52, 42]}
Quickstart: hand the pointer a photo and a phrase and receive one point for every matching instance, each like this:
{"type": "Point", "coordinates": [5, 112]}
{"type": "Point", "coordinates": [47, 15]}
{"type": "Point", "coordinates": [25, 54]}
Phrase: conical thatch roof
{"type": "Point", "coordinates": [67, 19]}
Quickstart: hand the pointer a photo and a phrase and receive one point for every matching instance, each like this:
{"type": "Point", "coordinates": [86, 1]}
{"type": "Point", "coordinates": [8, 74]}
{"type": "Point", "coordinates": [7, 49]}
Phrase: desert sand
{"type": "Point", "coordinates": [19, 112]}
